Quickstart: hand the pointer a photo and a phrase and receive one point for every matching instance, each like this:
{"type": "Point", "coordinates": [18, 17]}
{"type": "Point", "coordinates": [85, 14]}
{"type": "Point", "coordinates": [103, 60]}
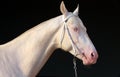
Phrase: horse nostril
{"type": "Point", "coordinates": [92, 54]}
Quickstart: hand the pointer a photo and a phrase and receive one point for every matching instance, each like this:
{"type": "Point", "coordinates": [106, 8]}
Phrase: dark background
{"type": "Point", "coordinates": [101, 18]}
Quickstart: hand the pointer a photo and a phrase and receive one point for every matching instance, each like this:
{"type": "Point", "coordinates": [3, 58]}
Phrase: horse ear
{"type": "Point", "coordinates": [76, 11]}
{"type": "Point", "coordinates": [63, 9]}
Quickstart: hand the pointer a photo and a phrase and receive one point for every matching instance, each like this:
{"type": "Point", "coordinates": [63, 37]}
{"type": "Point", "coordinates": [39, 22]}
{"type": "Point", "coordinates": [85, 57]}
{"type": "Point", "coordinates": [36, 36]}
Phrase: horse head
{"type": "Point", "coordinates": [75, 38]}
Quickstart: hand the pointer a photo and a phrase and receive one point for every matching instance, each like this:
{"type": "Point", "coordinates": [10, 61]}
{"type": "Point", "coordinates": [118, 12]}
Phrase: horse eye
{"type": "Point", "coordinates": [75, 29]}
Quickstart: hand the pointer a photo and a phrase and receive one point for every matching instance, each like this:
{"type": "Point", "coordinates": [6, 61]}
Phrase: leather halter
{"type": "Point", "coordinates": [65, 28]}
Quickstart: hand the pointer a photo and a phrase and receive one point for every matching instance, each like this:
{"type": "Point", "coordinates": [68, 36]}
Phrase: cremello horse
{"type": "Point", "coordinates": [25, 55]}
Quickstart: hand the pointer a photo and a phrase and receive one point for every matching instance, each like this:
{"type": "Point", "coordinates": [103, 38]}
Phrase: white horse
{"type": "Point", "coordinates": [25, 55]}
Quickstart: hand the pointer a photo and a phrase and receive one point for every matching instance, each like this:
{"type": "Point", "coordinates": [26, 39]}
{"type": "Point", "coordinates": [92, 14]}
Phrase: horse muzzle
{"type": "Point", "coordinates": [90, 58]}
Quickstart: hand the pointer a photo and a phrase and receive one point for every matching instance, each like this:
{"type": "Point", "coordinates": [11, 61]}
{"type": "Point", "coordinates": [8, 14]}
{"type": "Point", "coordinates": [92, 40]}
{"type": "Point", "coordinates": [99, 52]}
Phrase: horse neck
{"type": "Point", "coordinates": [33, 48]}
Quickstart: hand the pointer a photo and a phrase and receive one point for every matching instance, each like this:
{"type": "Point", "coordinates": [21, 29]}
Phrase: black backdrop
{"type": "Point", "coordinates": [101, 17]}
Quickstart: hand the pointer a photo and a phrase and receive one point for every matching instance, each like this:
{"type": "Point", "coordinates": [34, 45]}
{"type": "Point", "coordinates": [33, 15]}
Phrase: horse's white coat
{"type": "Point", "coordinates": [25, 55]}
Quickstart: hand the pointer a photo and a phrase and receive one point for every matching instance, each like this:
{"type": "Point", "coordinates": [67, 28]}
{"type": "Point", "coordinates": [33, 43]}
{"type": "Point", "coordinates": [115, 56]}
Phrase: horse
{"type": "Point", "coordinates": [25, 55]}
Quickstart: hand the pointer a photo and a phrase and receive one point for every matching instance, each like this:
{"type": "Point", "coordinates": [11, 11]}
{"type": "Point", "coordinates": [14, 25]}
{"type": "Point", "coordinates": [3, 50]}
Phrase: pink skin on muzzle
{"type": "Point", "coordinates": [90, 56]}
